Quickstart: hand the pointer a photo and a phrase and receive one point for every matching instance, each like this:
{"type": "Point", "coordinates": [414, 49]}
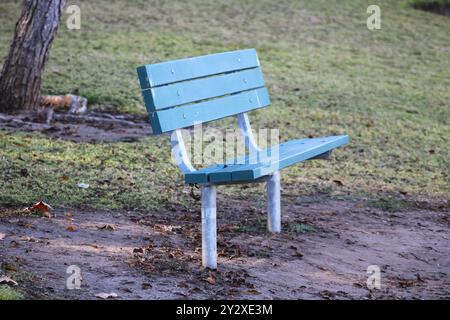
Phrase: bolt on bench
{"type": "Point", "coordinates": [181, 93]}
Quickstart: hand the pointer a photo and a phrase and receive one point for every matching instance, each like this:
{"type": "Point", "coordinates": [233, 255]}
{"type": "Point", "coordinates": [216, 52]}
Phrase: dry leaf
{"type": "Point", "coordinates": [211, 280]}
{"type": "Point", "coordinates": [146, 286]}
{"type": "Point", "coordinates": [104, 295]}
{"type": "Point", "coordinates": [28, 239]}
{"type": "Point", "coordinates": [46, 214]}
{"type": "Point", "coordinates": [2, 236]}
{"type": "Point", "coordinates": [252, 291]}
{"type": "Point", "coordinates": [107, 227]}
{"type": "Point", "coordinates": [41, 207]}
{"type": "Point", "coordinates": [8, 281]}
{"type": "Point", "coordinates": [64, 178]}
{"type": "Point", "coordinates": [338, 182]}
{"type": "Point", "coordinates": [72, 228]}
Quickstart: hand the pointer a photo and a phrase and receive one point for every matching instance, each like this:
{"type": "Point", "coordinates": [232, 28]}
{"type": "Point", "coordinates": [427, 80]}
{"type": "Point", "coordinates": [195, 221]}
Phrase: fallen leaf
{"type": "Point", "coordinates": [2, 236]}
{"type": "Point", "coordinates": [108, 227]}
{"type": "Point", "coordinates": [28, 239]}
{"type": "Point", "coordinates": [8, 281]}
{"type": "Point", "coordinates": [146, 286]}
{"type": "Point", "coordinates": [338, 182]}
{"type": "Point", "coordinates": [71, 228]}
{"type": "Point", "coordinates": [46, 214]}
{"type": "Point", "coordinates": [41, 207]}
{"type": "Point", "coordinates": [252, 291]}
{"type": "Point", "coordinates": [64, 178]}
{"type": "Point", "coordinates": [104, 295]}
{"type": "Point", "coordinates": [211, 280]}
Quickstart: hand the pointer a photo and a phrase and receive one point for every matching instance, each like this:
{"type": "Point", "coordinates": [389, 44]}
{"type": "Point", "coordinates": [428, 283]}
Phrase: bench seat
{"type": "Point", "coordinates": [259, 164]}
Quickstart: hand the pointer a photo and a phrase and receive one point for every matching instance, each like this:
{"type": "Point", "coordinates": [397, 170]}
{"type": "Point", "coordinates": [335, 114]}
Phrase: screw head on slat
{"type": "Point", "coordinates": [172, 71]}
{"type": "Point", "coordinates": [250, 100]}
{"type": "Point", "coordinates": [245, 80]}
{"type": "Point", "coordinates": [178, 93]}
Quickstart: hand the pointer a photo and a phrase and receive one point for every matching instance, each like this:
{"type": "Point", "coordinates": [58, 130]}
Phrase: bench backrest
{"type": "Point", "coordinates": [184, 92]}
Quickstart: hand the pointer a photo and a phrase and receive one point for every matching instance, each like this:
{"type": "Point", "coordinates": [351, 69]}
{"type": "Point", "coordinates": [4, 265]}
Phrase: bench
{"type": "Point", "coordinates": [181, 93]}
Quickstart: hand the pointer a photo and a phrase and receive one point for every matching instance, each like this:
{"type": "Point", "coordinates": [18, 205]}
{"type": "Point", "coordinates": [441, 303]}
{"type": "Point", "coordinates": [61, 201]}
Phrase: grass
{"type": "Point", "coordinates": [302, 228]}
{"type": "Point", "coordinates": [327, 74]}
{"type": "Point", "coordinates": [8, 293]}
{"type": "Point", "coordinates": [390, 204]}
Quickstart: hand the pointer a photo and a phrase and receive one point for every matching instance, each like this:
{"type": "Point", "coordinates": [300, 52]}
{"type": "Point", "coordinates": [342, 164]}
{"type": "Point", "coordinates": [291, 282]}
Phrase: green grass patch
{"type": "Point", "coordinates": [302, 228]}
{"type": "Point", "coordinates": [327, 74]}
{"type": "Point", "coordinates": [390, 204]}
{"type": "Point", "coordinates": [8, 293]}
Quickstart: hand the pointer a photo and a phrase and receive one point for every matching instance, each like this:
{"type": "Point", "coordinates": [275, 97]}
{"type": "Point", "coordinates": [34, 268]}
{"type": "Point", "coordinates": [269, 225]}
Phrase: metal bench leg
{"type": "Point", "coordinates": [274, 205]}
{"type": "Point", "coordinates": [209, 229]}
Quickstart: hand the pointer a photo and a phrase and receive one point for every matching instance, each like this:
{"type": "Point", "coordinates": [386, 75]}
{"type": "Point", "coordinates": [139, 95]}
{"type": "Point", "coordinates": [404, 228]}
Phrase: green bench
{"type": "Point", "coordinates": [181, 93]}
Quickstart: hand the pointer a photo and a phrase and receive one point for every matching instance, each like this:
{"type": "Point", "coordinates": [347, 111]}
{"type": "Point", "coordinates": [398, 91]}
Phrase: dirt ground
{"type": "Point", "coordinates": [323, 252]}
{"type": "Point", "coordinates": [157, 255]}
{"type": "Point", "coordinates": [90, 127]}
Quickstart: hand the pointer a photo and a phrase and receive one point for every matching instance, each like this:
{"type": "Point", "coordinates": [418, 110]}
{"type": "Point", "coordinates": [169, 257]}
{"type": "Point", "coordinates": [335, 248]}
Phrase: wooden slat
{"type": "Point", "coordinates": [297, 153]}
{"type": "Point", "coordinates": [290, 153]}
{"type": "Point", "coordinates": [158, 74]}
{"type": "Point", "coordinates": [201, 176]}
{"type": "Point", "coordinates": [188, 115]}
{"type": "Point", "coordinates": [200, 89]}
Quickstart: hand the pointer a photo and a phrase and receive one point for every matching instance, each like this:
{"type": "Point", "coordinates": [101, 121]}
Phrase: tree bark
{"type": "Point", "coordinates": [21, 76]}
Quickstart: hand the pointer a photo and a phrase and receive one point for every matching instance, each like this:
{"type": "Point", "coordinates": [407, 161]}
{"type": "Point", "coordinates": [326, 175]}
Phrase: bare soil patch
{"type": "Point", "coordinates": [90, 127]}
{"type": "Point", "coordinates": [322, 253]}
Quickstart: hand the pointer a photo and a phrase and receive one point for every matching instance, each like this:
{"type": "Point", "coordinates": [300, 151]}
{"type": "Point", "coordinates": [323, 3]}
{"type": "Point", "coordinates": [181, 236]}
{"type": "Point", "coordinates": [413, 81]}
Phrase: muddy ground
{"type": "Point", "coordinates": [90, 127]}
{"type": "Point", "coordinates": [323, 252]}
{"type": "Point", "coordinates": [157, 255]}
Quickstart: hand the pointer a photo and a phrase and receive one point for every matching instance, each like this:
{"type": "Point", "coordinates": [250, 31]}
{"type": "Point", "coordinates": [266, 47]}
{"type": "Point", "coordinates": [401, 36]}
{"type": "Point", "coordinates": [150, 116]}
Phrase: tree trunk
{"type": "Point", "coordinates": [20, 79]}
